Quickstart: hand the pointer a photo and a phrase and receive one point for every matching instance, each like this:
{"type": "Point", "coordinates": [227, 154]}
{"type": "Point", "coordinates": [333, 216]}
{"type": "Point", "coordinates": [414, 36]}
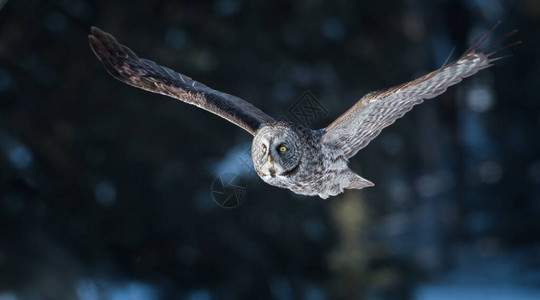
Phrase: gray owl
{"type": "Point", "coordinates": [288, 155]}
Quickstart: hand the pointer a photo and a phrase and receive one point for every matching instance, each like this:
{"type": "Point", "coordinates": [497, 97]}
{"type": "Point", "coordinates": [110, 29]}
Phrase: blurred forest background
{"type": "Point", "coordinates": [105, 190]}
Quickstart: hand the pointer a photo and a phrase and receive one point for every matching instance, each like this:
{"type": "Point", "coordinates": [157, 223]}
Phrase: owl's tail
{"type": "Point", "coordinates": [357, 182]}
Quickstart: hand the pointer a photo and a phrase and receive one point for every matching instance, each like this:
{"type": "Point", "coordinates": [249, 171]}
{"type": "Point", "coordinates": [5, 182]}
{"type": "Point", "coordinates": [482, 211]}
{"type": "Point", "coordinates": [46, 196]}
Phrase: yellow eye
{"type": "Point", "coordinates": [264, 149]}
{"type": "Point", "coordinates": [282, 149]}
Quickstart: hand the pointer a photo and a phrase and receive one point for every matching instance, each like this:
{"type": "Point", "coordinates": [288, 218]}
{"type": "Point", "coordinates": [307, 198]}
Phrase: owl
{"type": "Point", "coordinates": [290, 155]}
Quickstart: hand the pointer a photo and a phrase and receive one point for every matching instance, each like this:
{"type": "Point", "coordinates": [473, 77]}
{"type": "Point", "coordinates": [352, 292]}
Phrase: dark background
{"type": "Point", "coordinates": [105, 190]}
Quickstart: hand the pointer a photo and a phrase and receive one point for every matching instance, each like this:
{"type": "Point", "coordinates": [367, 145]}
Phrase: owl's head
{"type": "Point", "coordinates": [276, 150]}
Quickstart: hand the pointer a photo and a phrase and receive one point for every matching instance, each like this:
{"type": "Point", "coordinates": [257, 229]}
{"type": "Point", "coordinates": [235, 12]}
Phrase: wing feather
{"type": "Point", "coordinates": [359, 125]}
{"type": "Point", "coordinates": [124, 65]}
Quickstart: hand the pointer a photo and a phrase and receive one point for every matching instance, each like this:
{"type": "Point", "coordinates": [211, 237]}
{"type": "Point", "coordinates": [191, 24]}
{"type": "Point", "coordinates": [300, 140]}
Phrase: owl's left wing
{"type": "Point", "coordinates": [354, 129]}
{"type": "Point", "coordinates": [124, 65]}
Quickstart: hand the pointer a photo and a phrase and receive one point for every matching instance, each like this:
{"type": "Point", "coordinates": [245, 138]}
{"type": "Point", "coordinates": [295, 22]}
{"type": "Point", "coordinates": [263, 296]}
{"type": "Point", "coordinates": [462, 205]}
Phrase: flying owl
{"type": "Point", "coordinates": [290, 155]}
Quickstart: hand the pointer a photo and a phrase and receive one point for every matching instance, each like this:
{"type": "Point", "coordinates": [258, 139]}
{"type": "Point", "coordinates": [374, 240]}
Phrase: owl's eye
{"type": "Point", "coordinates": [282, 149]}
{"type": "Point", "coordinates": [264, 149]}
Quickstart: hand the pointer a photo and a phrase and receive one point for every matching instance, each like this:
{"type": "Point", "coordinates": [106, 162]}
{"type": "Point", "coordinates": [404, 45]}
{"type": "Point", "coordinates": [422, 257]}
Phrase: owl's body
{"type": "Point", "coordinates": [287, 155]}
{"type": "Point", "coordinates": [315, 168]}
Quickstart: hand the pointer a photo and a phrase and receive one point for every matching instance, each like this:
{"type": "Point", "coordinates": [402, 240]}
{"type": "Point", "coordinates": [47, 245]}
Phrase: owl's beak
{"type": "Point", "coordinates": [269, 158]}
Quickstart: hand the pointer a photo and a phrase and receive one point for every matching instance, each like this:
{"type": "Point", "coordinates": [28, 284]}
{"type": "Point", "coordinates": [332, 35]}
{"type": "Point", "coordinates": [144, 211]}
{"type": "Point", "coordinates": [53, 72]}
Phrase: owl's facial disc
{"type": "Point", "coordinates": [276, 151]}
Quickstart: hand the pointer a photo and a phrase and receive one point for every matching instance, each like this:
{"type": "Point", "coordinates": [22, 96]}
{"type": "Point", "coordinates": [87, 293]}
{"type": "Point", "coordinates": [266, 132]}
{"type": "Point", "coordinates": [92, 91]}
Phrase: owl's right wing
{"type": "Point", "coordinates": [124, 65]}
{"type": "Point", "coordinates": [359, 125]}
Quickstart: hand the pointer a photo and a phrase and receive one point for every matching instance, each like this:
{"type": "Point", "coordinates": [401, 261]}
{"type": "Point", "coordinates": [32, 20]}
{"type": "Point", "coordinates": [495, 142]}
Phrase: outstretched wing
{"type": "Point", "coordinates": [354, 129]}
{"type": "Point", "coordinates": [124, 65]}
